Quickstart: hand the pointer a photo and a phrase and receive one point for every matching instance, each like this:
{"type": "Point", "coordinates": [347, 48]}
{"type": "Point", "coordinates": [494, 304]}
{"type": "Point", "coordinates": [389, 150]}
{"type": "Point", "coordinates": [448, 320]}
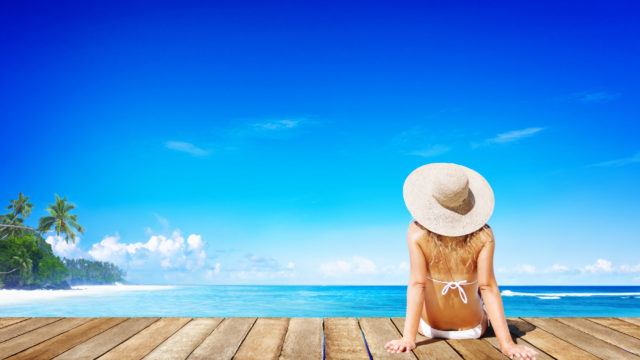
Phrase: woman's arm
{"type": "Point", "coordinates": [493, 302]}
{"type": "Point", "coordinates": [415, 293]}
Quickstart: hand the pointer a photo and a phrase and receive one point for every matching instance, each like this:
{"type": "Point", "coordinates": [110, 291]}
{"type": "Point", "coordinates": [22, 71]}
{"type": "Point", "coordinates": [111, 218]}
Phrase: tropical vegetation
{"type": "Point", "coordinates": [83, 271]}
{"type": "Point", "coordinates": [28, 261]}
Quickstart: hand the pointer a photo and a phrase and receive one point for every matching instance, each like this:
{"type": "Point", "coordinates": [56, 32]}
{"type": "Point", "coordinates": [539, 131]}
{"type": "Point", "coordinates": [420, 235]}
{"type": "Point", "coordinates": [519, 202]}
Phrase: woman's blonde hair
{"type": "Point", "coordinates": [458, 255]}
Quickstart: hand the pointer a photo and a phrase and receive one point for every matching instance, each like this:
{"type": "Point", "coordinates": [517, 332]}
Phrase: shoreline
{"type": "Point", "coordinates": [22, 296]}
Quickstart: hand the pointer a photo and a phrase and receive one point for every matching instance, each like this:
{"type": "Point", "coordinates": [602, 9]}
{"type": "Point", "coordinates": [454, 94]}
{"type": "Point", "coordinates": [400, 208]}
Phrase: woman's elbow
{"type": "Point", "coordinates": [417, 284]}
{"type": "Point", "coordinates": [489, 287]}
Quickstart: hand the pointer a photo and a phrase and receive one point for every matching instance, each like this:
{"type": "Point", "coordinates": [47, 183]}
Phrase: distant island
{"type": "Point", "coordinates": [27, 261]}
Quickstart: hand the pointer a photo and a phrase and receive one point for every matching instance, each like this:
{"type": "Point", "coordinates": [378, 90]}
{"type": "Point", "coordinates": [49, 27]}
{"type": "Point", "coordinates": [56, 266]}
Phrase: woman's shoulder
{"type": "Point", "coordinates": [485, 234]}
{"type": "Point", "coordinates": [416, 232]}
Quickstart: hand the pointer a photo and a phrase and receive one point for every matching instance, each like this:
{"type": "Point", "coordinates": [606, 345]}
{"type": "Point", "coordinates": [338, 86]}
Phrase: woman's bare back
{"type": "Point", "coordinates": [451, 259]}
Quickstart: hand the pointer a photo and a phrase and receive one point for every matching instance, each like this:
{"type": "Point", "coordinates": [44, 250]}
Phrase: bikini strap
{"type": "Point", "coordinates": [454, 285]}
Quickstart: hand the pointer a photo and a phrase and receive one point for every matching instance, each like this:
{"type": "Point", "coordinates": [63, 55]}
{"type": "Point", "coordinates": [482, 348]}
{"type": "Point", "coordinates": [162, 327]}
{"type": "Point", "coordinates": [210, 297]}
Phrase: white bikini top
{"type": "Point", "coordinates": [454, 285]}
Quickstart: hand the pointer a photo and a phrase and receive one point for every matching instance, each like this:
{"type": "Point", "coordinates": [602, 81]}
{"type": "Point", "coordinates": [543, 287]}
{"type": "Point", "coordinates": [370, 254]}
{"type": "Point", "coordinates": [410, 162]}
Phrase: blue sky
{"type": "Point", "coordinates": [267, 143]}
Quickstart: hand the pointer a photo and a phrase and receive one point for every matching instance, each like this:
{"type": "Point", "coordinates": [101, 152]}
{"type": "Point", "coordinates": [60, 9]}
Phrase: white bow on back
{"type": "Point", "coordinates": [456, 285]}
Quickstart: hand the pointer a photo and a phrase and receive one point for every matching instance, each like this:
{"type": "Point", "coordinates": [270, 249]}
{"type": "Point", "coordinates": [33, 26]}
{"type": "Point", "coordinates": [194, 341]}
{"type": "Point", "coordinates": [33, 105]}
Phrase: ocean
{"type": "Point", "coordinates": [300, 301]}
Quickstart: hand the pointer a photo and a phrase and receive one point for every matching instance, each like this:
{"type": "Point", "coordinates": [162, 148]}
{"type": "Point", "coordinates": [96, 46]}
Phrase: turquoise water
{"type": "Point", "coordinates": [304, 301]}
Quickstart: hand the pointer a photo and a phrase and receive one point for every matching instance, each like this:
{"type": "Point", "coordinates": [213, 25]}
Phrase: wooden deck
{"type": "Point", "coordinates": [299, 338]}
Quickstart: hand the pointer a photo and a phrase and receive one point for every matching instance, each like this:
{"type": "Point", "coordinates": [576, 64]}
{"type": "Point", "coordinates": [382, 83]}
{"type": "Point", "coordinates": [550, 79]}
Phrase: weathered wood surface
{"type": "Point", "coordinates": [301, 338]}
{"type": "Point", "coordinates": [106, 341]}
{"type": "Point", "coordinates": [142, 343]}
{"type": "Point", "coordinates": [265, 339]}
{"type": "Point", "coordinates": [225, 340]}
{"type": "Point", "coordinates": [343, 339]}
{"type": "Point", "coordinates": [57, 345]}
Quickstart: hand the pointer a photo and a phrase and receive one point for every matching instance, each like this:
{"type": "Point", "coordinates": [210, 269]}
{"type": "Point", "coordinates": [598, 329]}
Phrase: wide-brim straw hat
{"type": "Point", "coordinates": [448, 199]}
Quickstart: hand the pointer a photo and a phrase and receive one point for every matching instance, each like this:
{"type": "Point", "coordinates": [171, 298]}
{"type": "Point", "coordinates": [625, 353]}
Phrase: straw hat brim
{"type": "Point", "coordinates": [425, 209]}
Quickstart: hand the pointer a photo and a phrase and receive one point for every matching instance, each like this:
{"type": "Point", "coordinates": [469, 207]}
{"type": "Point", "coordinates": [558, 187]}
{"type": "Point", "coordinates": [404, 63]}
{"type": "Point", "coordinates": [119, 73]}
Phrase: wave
{"type": "Point", "coordinates": [549, 297]}
{"type": "Point", "coordinates": [569, 294]}
{"type": "Point", "coordinates": [15, 296]}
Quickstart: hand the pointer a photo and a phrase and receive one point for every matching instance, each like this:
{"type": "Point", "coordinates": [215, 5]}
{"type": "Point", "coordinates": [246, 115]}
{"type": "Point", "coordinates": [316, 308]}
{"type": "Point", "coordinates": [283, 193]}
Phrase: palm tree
{"type": "Point", "coordinates": [61, 220]}
{"type": "Point", "coordinates": [20, 208]}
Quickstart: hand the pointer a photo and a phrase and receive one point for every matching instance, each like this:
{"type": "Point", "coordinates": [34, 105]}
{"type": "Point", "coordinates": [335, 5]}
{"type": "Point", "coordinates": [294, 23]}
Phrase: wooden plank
{"type": "Point", "coordinates": [633, 320]}
{"type": "Point", "coordinates": [593, 346]}
{"type": "Point", "coordinates": [476, 349]}
{"type": "Point", "coordinates": [428, 348]}
{"type": "Point", "coordinates": [303, 339]}
{"type": "Point", "coordinates": [377, 332]}
{"type": "Point", "coordinates": [107, 340]}
{"type": "Point", "coordinates": [139, 345]}
{"type": "Point", "coordinates": [34, 337]}
{"type": "Point", "coordinates": [601, 332]}
{"type": "Point", "coordinates": [553, 345]}
{"type": "Point", "coordinates": [517, 328]}
{"type": "Point", "coordinates": [185, 340]}
{"type": "Point", "coordinates": [10, 320]}
{"type": "Point", "coordinates": [22, 327]}
{"type": "Point", "coordinates": [343, 339]}
{"type": "Point", "coordinates": [619, 325]}
{"type": "Point", "coordinates": [264, 340]}
{"type": "Point", "coordinates": [225, 340]}
{"type": "Point", "coordinates": [65, 341]}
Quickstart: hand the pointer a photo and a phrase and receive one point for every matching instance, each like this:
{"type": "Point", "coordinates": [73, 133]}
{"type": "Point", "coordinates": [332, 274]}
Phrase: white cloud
{"type": "Point", "coordinates": [600, 266]}
{"type": "Point", "coordinates": [187, 148]}
{"type": "Point", "coordinates": [634, 159]}
{"type": "Point", "coordinates": [277, 125]}
{"type": "Point", "coordinates": [629, 269]}
{"type": "Point", "coordinates": [63, 249]}
{"type": "Point", "coordinates": [558, 268]}
{"type": "Point", "coordinates": [212, 273]}
{"type": "Point", "coordinates": [510, 136]}
{"type": "Point", "coordinates": [159, 252]}
{"type": "Point", "coordinates": [195, 242]}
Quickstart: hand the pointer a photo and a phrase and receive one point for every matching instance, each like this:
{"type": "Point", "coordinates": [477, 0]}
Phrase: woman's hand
{"type": "Point", "coordinates": [400, 345]}
{"type": "Point", "coordinates": [516, 351]}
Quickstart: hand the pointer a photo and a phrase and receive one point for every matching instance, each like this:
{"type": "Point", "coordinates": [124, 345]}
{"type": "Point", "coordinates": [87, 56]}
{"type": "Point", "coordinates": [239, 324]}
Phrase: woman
{"type": "Point", "coordinates": [452, 290]}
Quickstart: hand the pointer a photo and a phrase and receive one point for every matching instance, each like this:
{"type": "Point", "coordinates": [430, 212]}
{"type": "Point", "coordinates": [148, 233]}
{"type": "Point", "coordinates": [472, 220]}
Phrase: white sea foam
{"type": "Point", "coordinates": [569, 294]}
{"type": "Point", "coordinates": [549, 297]}
{"type": "Point", "coordinates": [12, 296]}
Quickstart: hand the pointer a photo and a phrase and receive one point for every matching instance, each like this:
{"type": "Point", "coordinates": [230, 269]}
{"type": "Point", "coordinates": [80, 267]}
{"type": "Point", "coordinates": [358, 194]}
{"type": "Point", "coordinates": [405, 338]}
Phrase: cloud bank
{"type": "Point", "coordinates": [173, 252]}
